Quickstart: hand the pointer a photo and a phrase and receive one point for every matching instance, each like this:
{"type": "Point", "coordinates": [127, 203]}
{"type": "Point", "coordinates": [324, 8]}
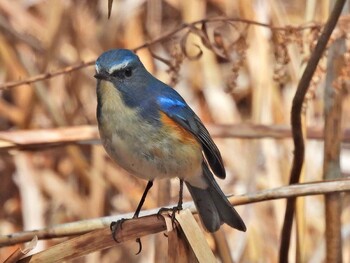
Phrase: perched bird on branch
{"type": "Point", "coordinates": [149, 130]}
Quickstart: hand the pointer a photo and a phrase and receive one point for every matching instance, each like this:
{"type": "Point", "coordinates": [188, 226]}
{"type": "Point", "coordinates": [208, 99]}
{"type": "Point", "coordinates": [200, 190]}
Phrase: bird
{"type": "Point", "coordinates": [148, 129]}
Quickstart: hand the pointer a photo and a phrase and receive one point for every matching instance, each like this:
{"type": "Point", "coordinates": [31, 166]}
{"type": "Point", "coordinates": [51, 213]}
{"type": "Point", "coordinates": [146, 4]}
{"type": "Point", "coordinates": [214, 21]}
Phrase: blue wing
{"type": "Point", "coordinates": [176, 108]}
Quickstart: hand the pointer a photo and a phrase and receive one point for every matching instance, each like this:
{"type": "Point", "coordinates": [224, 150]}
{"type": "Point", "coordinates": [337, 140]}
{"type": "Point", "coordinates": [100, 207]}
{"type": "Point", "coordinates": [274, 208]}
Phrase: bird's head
{"type": "Point", "coordinates": [120, 73]}
{"type": "Point", "coordinates": [119, 65]}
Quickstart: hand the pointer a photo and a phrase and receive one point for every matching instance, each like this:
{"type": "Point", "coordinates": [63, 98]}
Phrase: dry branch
{"type": "Point", "coordinates": [22, 251]}
{"type": "Point", "coordinates": [98, 240]}
{"type": "Point", "coordinates": [193, 239]}
{"type": "Point", "coordinates": [79, 227]}
{"type": "Point", "coordinates": [46, 75]}
{"type": "Point", "coordinates": [87, 134]}
{"type": "Point", "coordinates": [38, 138]}
{"type": "Point", "coordinates": [165, 37]}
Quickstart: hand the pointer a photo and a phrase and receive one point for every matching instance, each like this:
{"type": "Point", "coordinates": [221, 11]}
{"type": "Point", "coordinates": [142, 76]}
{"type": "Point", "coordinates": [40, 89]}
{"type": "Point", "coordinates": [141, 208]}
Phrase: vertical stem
{"type": "Point", "coordinates": [331, 163]}
{"type": "Point", "coordinates": [297, 126]}
{"type": "Point", "coordinates": [163, 199]}
{"type": "Point", "coordinates": [300, 211]}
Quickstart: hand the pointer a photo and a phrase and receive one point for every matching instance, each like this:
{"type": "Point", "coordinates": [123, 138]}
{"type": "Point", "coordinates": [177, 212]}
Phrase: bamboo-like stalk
{"type": "Point", "coordinates": [331, 165]}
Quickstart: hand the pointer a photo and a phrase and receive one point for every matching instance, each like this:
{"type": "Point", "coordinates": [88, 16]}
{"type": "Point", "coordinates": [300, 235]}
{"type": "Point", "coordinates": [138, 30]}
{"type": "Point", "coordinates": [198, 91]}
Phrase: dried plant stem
{"type": "Point", "coordinates": [300, 215]}
{"type": "Point", "coordinates": [22, 251]}
{"type": "Point", "coordinates": [69, 69]}
{"type": "Point", "coordinates": [223, 249]}
{"type": "Point", "coordinates": [98, 240]}
{"type": "Point", "coordinates": [192, 240]}
{"type": "Point", "coordinates": [331, 165]}
{"type": "Point", "coordinates": [164, 198]}
{"type": "Point", "coordinates": [195, 238]}
{"type": "Point", "coordinates": [46, 75]}
{"type": "Point", "coordinates": [87, 134]}
{"type": "Point", "coordinates": [297, 126]}
{"type": "Point", "coordinates": [84, 226]}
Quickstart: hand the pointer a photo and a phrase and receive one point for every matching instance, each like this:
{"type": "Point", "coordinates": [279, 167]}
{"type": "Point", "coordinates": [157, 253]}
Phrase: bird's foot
{"type": "Point", "coordinates": [115, 225]}
{"type": "Point", "coordinates": [172, 211]}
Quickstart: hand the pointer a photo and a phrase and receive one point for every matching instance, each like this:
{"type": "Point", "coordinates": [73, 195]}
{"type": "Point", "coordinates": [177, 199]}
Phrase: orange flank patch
{"type": "Point", "coordinates": [177, 129]}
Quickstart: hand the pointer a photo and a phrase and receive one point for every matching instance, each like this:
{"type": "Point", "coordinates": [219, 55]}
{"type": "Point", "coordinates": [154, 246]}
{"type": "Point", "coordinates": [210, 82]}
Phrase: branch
{"type": "Point", "coordinates": [46, 75]}
{"type": "Point", "coordinates": [44, 138]}
{"type": "Point", "coordinates": [88, 134]}
{"type": "Point", "coordinates": [297, 125]}
{"type": "Point", "coordinates": [84, 226]}
{"type": "Point", "coordinates": [69, 69]}
{"type": "Point", "coordinates": [99, 239]}
{"type": "Point", "coordinates": [186, 241]}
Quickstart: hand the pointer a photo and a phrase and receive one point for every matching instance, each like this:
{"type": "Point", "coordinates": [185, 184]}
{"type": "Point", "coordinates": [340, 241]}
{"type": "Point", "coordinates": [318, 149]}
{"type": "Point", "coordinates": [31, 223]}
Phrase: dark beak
{"type": "Point", "coordinates": [101, 76]}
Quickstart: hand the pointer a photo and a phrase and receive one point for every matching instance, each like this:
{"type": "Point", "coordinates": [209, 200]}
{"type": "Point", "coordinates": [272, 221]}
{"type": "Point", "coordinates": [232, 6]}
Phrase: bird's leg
{"type": "Point", "coordinates": [143, 198]}
{"type": "Point", "coordinates": [116, 224]}
{"type": "Point", "coordinates": [179, 203]}
{"type": "Point", "coordinates": [181, 193]}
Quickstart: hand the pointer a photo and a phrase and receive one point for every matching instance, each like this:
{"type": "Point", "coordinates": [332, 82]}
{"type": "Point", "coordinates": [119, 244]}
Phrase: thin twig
{"type": "Point", "coordinates": [80, 227]}
{"type": "Point", "coordinates": [166, 36]}
{"type": "Point", "coordinates": [46, 75]}
{"type": "Point", "coordinates": [211, 20]}
{"type": "Point", "coordinates": [297, 126]}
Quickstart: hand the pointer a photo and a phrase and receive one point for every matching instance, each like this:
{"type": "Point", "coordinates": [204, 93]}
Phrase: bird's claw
{"type": "Point", "coordinates": [114, 227]}
{"type": "Point", "coordinates": [172, 210]}
{"type": "Point", "coordinates": [119, 224]}
{"type": "Point", "coordinates": [138, 240]}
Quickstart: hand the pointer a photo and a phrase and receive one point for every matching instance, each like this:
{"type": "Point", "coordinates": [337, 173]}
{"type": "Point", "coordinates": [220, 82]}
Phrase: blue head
{"type": "Point", "coordinates": [123, 69]}
{"type": "Point", "coordinates": [121, 76]}
{"type": "Point", "coordinates": [118, 65]}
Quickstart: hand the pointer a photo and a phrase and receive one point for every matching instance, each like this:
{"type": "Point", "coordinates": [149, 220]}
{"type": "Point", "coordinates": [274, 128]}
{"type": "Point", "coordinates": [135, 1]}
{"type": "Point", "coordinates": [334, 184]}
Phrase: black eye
{"type": "Point", "coordinates": [128, 72]}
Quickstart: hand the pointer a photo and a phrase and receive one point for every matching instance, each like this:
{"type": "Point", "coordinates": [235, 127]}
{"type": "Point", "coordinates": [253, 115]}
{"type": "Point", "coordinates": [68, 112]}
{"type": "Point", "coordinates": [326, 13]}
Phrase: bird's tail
{"type": "Point", "coordinates": [212, 205]}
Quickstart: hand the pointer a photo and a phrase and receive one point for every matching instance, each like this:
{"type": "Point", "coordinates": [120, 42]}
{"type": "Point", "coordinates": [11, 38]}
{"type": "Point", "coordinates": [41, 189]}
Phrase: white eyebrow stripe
{"type": "Point", "coordinates": [97, 68]}
{"type": "Point", "coordinates": [118, 67]}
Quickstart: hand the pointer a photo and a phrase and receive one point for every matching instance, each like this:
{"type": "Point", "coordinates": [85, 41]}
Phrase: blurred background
{"type": "Point", "coordinates": [248, 76]}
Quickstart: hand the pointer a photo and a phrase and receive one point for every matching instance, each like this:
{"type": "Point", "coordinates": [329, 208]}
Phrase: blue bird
{"type": "Point", "coordinates": [148, 129]}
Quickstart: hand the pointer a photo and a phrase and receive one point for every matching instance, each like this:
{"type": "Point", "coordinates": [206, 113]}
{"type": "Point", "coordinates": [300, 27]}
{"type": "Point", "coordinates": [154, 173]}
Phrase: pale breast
{"type": "Point", "coordinates": [141, 148]}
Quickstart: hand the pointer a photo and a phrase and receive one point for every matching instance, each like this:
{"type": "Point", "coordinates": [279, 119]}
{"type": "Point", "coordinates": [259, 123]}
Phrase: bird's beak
{"type": "Point", "coordinates": [101, 76]}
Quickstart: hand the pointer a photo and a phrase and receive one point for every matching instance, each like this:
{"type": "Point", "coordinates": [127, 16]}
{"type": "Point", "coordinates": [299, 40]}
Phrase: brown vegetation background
{"type": "Point", "coordinates": [244, 74]}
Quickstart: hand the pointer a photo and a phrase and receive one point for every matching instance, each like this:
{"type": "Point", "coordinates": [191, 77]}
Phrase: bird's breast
{"type": "Point", "coordinates": [144, 149]}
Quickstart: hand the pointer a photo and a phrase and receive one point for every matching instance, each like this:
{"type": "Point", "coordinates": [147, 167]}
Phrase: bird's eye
{"type": "Point", "coordinates": [122, 73]}
{"type": "Point", "coordinates": [128, 72]}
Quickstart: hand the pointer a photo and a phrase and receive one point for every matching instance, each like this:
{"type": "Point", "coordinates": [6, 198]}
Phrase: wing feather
{"type": "Point", "coordinates": [177, 109]}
